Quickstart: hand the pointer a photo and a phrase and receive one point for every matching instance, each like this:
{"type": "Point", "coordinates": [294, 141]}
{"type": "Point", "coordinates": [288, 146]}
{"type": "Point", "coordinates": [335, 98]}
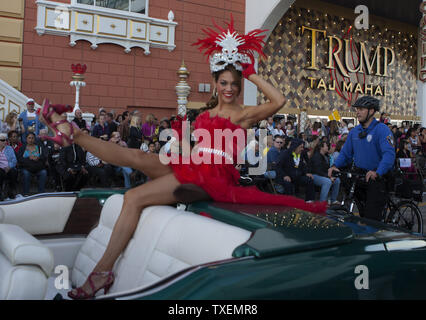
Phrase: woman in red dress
{"type": "Point", "coordinates": [223, 112]}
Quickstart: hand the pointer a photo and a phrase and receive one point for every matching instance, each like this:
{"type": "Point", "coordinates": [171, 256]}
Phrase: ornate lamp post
{"type": "Point", "coordinates": [182, 89]}
{"type": "Point", "coordinates": [78, 81]}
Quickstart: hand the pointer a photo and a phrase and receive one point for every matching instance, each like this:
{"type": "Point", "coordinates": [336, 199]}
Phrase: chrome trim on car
{"type": "Point", "coordinates": [166, 282]}
{"type": "Point", "coordinates": [39, 196]}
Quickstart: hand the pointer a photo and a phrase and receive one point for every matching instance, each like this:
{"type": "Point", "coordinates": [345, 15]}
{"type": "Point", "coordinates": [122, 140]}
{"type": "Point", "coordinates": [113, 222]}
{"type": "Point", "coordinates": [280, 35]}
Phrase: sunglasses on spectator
{"type": "Point", "coordinates": [3, 140]}
{"type": "Point", "coordinates": [280, 142]}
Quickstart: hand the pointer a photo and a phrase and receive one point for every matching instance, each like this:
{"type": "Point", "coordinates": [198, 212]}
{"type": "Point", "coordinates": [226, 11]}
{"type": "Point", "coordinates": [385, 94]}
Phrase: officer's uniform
{"type": "Point", "coordinates": [375, 152]}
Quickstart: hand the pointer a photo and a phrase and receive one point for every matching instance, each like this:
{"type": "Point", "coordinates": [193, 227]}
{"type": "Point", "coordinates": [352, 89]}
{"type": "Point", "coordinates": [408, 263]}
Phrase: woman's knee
{"type": "Point", "coordinates": [134, 199]}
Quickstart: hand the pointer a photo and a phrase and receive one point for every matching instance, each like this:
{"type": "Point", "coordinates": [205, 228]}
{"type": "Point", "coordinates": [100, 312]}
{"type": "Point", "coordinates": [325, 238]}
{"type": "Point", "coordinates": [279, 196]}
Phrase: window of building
{"type": "Point", "coordinates": [136, 6]}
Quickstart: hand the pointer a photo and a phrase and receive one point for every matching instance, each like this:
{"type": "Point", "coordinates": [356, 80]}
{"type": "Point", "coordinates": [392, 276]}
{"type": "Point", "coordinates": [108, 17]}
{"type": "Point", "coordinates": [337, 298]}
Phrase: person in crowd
{"type": "Point", "coordinates": [151, 147]}
{"type": "Point", "coordinates": [273, 157]}
{"type": "Point", "coordinates": [308, 128]}
{"type": "Point", "coordinates": [262, 126]}
{"type": "Point", "coordinates": [319, 167]}
{"type": "Point", "coordinates": [290, 130]}
{"type": "Point", "coordinates": [333, 133]}
{"type": "Point", "coordinates": [112, 125]}
{"type": "Point", "coordinates": [414, 140]}
{"type": "Point", "coordinates": [270, 125]}
{"type": "Point", "coordinates": [267, 142]}
{"type": "Point", "coordinates": [164, 124]}
{"type": "Point", "coordinates": [148, 128]}
{"type": "Point", "coordinates": [370, 146]}
{"type": "Point", "coordinates": [404, 152]}
{"type": "Point", "coordinates": [73, 167]}
{"type": "Point", "coordinates": [119, 120]}
{"type": "Point", "coordinates": [135, 133]}
{"type": "Point", "coordinates": [101, 128]}
{"type": "Point", "coordinates": [54, 165]}
{"type": "Point", "coordinates": [311, 145]}
{"type": "Point", "coordinates": [343, 128]}
{"type": "Point", "coordinates": [10, 123]}
{"type": "Point", "coordinates": [293, 170]}
{"type": "Point", "coordinates": [78, 119]}
{"type": "Point", "coordinates": [278, 131]}
{"type": "Point", "coordinates": [8, 172]}
{"type": "Point", "coordinates": [126, 172]}
{"type": "Point", "coordinates": [422, 138]}
{"type": "Point", "coordinates": [335, 153]}
{"type": "Point", "coordinates": [218, 181]}
{"type": "Point", "coordinates": [124, 126]}
{"type": "Point", "coordinates": [316, 129]}
{"type": "Point", "coordinates": [287, 142]}
{"type": "Point", "coordinates": [29, 121]}
{"type": "Point", "coordinates": [14, 141]}
{"type": "Point", "coordinates": [32, 161]}
{"type": "Point", "coordinates": [98, 168]}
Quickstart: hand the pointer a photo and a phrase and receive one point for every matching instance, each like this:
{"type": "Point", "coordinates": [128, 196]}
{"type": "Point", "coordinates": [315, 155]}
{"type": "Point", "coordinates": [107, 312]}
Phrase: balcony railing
{"type": "Point", "coordinates": [102, 25]}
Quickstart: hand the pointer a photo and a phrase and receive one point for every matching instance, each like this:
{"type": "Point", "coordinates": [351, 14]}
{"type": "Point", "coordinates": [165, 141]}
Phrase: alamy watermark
{"type": "Point", "coordinates": [362, 281]}
{"type": "Point", "coordinates": [223, 147]}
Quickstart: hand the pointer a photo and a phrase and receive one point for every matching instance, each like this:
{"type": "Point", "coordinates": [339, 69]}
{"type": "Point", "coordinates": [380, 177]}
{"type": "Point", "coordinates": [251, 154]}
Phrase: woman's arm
{"type": "Point", "coordinates": [263, 111]}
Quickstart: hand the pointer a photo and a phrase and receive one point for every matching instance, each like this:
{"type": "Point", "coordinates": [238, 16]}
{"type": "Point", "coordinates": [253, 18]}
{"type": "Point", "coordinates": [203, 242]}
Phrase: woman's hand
{"type": "Point", "coordinates": [248, 69]}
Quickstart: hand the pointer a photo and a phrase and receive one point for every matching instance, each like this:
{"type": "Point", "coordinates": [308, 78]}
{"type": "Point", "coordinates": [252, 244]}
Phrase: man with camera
{"type": "Point", "coordinates": [370, 145]}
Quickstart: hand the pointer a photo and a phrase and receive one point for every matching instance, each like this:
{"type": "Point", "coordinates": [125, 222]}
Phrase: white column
{"type": "Point", "coordinates": [421, 101]}
{"type": "Point", "coordinates": [264, 16]}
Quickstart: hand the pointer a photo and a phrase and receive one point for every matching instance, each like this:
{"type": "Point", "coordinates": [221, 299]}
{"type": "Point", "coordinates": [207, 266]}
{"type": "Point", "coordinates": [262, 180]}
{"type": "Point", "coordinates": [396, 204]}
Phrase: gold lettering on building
{"type": "Point", "coordinates": [313, 45]}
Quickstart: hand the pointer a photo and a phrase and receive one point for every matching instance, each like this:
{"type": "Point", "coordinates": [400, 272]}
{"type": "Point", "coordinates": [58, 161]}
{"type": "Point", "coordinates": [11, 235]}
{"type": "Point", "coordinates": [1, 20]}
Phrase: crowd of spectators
{"type": "Point", "coordinates": [295, 158]}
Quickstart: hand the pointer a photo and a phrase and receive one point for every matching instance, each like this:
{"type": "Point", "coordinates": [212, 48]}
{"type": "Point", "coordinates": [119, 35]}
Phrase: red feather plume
{"type": "Point", "coordinates": [253, 41]}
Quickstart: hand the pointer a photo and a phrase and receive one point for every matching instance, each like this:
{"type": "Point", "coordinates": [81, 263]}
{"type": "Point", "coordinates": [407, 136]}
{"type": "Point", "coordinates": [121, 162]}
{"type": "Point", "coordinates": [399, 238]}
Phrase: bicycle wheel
{"type": "Point", "coordinates": [407, 216]}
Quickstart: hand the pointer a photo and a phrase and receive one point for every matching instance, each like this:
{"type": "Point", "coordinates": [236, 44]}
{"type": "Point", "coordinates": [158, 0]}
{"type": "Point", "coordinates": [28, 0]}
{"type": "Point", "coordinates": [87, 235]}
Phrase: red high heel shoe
{"type": "Point", "coordinates": [47, 112]}
{"type": "Point", "coordinates": [82, 295]}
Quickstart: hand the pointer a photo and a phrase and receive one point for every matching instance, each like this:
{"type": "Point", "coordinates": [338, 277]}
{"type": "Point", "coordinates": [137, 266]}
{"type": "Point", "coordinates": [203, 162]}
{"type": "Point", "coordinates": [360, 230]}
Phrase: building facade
{"type": "Point", "coordinates": [134, 48]}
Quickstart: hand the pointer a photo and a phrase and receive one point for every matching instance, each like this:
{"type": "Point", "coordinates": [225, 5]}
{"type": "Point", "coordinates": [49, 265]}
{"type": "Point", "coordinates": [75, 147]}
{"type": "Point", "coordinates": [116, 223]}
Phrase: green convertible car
{"type": "Point", "coordinates": [50, 243]}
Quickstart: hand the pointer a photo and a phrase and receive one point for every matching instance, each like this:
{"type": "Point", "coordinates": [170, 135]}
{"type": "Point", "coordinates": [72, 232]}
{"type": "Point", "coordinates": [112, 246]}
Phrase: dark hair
{"type": "Point", "coordinates": [316, 126]}
{"type": "Point", "coordinates": [320, 145]}
{"type": "Point", "coordinates": [29, 134]}
{"type": "Point", "coordinates": [409, 132]}
{"type": "Point", "coordinates": [9, 134]}
{"type": "Point", "coordinates": [402, 144]}
{"type": "Point", "coordinates": [287, 142]}
{"type": "Point", "coordinates": [109, 114]}
{"type": "Point", "coordinates": [339, 145]}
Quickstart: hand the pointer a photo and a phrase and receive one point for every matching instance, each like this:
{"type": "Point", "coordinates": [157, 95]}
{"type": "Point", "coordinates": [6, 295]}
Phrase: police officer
{"type": "Point", "coordinates": [371, 146]}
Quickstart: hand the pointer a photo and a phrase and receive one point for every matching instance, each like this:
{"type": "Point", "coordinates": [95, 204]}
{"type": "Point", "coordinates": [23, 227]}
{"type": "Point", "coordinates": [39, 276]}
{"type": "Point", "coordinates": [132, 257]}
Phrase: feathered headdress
{"type": "Point", "coordinates": [232, 47]}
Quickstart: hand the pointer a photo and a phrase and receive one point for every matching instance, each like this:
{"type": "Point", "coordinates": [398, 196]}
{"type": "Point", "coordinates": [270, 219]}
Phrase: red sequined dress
{"type": "Point", "coordinates": [218, 176]}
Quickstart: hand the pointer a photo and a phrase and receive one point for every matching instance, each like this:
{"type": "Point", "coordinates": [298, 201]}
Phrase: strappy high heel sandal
{"type": "Point", "coordinates": [46, 113]}
{"type": "Point", "coordinates": [80, 294]}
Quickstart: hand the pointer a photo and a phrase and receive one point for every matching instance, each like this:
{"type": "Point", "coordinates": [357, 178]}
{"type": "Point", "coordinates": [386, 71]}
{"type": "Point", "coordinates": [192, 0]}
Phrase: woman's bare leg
{"type": "Point", "coordinates": [112, 153]}
{"type": "Point", "coordinates": [148, 163]}
{"type": "Point", "coordinates": [155, 192]}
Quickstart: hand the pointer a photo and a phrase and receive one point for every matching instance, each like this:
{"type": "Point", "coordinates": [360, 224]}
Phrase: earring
{"type": "Point", "coordinates": [215, 92]}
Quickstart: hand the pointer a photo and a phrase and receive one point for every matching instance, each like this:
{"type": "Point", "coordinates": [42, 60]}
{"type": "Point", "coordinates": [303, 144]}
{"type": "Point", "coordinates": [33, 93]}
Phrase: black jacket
{"type": "Point", "coordinates": [73, 157]}
{"type": "Point", "coordinates": [286, 166]}
{"type": "Point", "coordinates": [319, 164]}
{"type": "Point", "coordinates": [32, 165]}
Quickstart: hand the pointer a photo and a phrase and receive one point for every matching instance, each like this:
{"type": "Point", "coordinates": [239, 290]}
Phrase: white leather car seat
{"type": "Point", "coordinates": [25, 265]}
{"type": "Point", "coordinates": [166, 241]}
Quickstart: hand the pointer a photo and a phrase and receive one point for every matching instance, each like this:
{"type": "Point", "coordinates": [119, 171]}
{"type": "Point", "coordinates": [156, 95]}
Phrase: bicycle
{"type": "Point", "coordinates": [403, 214]}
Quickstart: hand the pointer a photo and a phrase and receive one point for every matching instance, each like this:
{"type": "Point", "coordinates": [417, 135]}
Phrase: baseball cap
{"type": "Point", "coordinates": [350, 125]}
{"type": "Point", "coordinates": [30, 100]}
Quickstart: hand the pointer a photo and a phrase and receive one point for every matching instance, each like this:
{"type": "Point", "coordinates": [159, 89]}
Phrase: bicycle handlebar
{"type": "Point", "coordinates": [348, 174]}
